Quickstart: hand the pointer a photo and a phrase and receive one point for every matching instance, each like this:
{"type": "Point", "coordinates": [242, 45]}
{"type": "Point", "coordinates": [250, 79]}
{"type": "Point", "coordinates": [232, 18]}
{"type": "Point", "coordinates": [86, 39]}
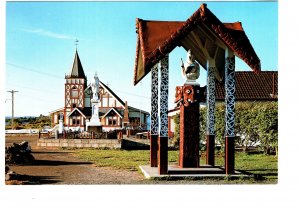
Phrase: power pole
{"type": "Point", "coordinates": [12, 107]}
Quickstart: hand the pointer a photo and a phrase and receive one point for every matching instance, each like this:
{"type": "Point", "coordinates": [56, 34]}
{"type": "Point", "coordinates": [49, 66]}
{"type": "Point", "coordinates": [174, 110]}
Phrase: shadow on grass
{"type": "Point", "coordinates": [57, 163]}
{"type": "Point", "coordinates": [133, 145]}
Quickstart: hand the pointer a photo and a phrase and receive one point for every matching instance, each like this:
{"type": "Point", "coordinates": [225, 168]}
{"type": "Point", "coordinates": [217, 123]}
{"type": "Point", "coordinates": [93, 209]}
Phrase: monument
{"type": "Point", "coordinates": [94, 125]}
{"type": "Point", "coordinates": [188, 98]}
{"type": "Point", "coordinates": [61, 123]}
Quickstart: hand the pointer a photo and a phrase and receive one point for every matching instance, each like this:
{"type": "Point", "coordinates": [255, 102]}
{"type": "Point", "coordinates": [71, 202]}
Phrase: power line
{"type": "Point", "coordinates": [12, 109]}
{"type": "Point", "coordinates": [35, 71]}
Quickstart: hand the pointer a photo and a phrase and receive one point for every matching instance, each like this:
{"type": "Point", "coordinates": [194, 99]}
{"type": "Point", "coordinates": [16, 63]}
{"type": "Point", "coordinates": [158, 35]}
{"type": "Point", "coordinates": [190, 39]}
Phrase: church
{"type": "Point", "coordinates": [114, 113]}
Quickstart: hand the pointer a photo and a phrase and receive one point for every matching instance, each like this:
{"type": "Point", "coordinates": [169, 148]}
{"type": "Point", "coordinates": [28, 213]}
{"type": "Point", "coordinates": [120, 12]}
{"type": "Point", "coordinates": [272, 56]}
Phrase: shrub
{"type": "Point", "coordinates": [256, 124]}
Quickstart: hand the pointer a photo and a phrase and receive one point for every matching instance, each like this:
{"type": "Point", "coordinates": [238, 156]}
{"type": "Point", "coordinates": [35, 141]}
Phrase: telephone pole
{"type": "Point", "coordinates": [12, 107]}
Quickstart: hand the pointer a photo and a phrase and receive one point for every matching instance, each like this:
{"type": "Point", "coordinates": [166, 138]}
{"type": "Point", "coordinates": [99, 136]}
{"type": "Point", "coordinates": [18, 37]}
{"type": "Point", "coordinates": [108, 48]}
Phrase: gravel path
{"type": "Point", "coordinates": [55, 166]}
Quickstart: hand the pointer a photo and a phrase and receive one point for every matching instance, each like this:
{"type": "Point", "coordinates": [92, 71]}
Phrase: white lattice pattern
{"type": "Point", "coordinates": [154, 100]}
{"type": "Point", "coordinates": [164, 90]}
{"type": "Point", "coordinates": [229, 96]}
{"type": "Point", "coordinates": [211, 101]}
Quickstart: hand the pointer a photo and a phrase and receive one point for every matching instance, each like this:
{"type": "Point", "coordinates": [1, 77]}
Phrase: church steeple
{"type": "Point", "coordinates": [77, 70]}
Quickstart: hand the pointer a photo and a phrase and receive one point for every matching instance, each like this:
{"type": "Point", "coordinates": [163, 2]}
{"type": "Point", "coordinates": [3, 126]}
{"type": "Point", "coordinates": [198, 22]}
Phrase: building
{"type": "Point", "coordinates": [252, 87]}
{"type": "Point", "coordinates": [262, 87]}
{"type": "Point", "coordinates": [114, 113]}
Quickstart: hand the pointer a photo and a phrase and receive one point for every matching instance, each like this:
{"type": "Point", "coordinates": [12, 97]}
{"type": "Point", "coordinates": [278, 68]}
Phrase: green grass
{"type": "Point", "coordinates": [263, 166]}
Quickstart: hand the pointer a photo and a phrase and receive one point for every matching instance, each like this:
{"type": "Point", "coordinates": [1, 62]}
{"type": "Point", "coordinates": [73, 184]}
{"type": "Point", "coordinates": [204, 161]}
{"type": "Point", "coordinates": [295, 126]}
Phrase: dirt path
{"type": "Point", "coordinates": [54, 166]}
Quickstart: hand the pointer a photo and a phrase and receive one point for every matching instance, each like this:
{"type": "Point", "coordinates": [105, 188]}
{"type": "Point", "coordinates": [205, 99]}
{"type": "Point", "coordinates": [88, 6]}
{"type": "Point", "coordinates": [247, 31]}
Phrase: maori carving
{"type": "Point", "coordinates": [154, 99]}
{"type": "Point", "coordinates": [230, 96]}
{"type": "Point", "coordinates": [187, 95]}
{"type": "Point", "coordinates": [164, 90]}
{"type": "Point", "coordinates": [211, 101]}
{"type": "Point", "coordinates": [190, 69]}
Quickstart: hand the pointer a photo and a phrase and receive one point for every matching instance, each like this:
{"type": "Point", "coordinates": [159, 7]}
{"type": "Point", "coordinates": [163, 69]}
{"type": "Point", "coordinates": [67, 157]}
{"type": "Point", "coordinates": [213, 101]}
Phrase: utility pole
{"type": "Point", "coordinates": [12, 107]}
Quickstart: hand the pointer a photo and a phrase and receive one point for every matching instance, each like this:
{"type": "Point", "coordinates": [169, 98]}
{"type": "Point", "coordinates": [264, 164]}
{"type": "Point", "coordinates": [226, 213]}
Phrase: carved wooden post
{"type": "Point", "coordinates": [229, 111]}
{"type": "Point", "coordinates": [189, 98]}
{"type": "Point", "coordinates": [211, 103]}
{"type": "Point", "coordinates": [154, 116]}
{"type": "Point", "coordinates": [163, 131]}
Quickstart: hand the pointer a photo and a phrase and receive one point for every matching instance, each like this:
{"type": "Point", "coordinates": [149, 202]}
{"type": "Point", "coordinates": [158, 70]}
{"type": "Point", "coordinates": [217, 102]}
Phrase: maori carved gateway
{"type": "Point", "coordinates": [214, 45]}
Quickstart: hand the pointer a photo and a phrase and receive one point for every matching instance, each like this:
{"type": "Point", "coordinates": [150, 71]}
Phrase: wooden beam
{"type": "Point", "coordinates": [190, 44]}
{"type": "Point", "coordinates": [200, 45]}
{"type": "Point", "coordinates": [212, 37]}
{"type": "Point", "coordinates": [215, 55]}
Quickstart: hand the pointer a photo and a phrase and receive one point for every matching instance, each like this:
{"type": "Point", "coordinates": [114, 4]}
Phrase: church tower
{"type": "Point", "coordinates": [76, 83]}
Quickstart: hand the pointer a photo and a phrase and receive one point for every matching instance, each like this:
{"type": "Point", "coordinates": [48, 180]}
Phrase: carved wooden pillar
{"type": "Point", "coordinates": [154, 117]}
{"type": "Point", "coordinates": [163, 131]}
{"type": "Point", "coordinates": [229, 111]}
{"type": "Point", "coordinates": [210, 120]}
{"type": "Point", "coordinates": [188, 96]}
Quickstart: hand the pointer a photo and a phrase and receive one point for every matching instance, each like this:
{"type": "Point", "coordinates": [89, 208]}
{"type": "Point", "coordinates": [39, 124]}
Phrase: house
{"type": "Point", "coordinates": [250, 86]}
{"type": "Point", "coordinates": [114, 113]}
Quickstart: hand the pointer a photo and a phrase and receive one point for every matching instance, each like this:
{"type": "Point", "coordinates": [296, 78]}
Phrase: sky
{"type": "Point", "coordinates": [40, 46]}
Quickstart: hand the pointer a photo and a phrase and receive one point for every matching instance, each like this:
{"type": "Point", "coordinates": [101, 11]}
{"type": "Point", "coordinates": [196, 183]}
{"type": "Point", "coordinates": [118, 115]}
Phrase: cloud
{"type": "Point", "coordinates": [43, 32]}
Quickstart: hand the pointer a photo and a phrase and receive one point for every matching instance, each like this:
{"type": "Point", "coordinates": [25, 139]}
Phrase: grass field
{"type": "Point", "coordinates": [265, 167]}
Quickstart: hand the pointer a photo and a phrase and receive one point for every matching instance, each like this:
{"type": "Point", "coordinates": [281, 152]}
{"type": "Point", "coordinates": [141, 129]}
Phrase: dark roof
{"type": "Point", "coordinates": [87, 111]}
{"type": "Point", "coordinates": [76, 112]}
{"type": "Point", "coordinates": [156, 39]}
{"type": "Point", "coordinates": [252, 86]}
{"type": "Point", "coordinates": [115, 110]}
{"type": "Point", "coordinates": [112, 93]}
{"type": "Point", "coordinates": [77, 70]}
{"type": "Point", "coordinates": [137, 110]}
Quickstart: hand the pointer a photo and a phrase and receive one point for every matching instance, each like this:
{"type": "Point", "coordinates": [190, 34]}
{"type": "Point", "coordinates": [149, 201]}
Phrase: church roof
{"type": "Point", "coordinates": [203, 30]}
{"type": "Point", "coordinates": [77, 70]}
{"type": "Point", "coordinates": [112, 93]}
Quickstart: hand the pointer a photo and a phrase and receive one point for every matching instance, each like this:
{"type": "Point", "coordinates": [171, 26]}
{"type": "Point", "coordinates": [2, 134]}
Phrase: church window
{"type": "Point", "coordinates": [74, 92]}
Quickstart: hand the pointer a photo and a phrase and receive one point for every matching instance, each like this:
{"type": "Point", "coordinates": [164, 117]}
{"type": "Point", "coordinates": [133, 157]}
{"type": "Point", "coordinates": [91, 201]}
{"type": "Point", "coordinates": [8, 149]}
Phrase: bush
{"type": "Point", "coordinates": [256, 124]}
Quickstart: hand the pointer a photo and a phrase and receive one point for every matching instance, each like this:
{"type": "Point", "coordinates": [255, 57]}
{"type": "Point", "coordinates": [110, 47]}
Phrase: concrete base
{"type": "Point", "coordinates": [95, 129]}
{"type": "Point", "coordinates": [204, 171]}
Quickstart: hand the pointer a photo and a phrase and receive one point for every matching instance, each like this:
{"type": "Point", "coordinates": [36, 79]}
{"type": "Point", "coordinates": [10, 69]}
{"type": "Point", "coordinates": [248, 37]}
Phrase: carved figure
{"type": "Point", "coordinates": [190, 69]}
{"type": "Point", "coordinates": [95, 87]}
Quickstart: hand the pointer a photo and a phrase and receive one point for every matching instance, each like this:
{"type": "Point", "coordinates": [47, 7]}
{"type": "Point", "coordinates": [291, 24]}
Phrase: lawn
{"type": "Point", "coordinates": [265, 167]}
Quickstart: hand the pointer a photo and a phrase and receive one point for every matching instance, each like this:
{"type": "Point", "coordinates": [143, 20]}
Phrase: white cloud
{"type": "Point", "coordinates": [43, 32]}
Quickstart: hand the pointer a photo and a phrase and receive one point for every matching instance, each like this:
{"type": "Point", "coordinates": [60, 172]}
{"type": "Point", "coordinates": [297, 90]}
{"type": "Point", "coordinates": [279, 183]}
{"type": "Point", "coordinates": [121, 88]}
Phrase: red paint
{"type": "Point", "coordinates": [210, 150]}
{"type": "Point", "coordinates": [229, 155]}
{"type": "Point", "coordinates": [153, 150]}
{"type": "Point", "coordinates": [163, 156]}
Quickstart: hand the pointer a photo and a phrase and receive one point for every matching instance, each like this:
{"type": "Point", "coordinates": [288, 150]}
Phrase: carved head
{"type": "Point", "coordinates": [190, 56]}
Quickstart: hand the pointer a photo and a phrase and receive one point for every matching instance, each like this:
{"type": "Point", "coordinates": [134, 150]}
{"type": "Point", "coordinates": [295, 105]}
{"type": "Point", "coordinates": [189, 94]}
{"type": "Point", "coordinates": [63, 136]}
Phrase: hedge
{"type": "Point", "coordinates": [256, 125]}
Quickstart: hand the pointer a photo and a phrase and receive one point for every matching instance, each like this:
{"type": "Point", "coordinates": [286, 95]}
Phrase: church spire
{"type": "Point", "coordinates": [77, 70]}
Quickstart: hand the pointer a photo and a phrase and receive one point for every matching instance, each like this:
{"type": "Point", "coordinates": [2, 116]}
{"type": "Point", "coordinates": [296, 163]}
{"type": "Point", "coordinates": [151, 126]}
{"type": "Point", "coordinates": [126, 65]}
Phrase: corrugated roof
{"type": "Point", "coordinates": [157, 38]}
